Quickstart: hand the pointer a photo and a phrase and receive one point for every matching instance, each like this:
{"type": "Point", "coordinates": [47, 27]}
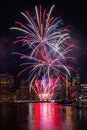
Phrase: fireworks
{"type": "Point", "coordinates": [50, 51]}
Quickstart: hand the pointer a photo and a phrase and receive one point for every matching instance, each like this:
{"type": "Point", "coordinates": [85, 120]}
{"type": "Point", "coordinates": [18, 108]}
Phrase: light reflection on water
{"type": "Point", "coordinates": [41, 116]}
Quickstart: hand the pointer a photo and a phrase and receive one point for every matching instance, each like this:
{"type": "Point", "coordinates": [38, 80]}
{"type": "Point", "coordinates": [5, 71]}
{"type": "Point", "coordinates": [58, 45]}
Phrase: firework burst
{"type": "Point", "coordinates": [50, 50]}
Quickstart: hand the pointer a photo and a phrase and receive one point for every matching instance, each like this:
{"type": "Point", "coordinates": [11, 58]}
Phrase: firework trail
{"type": "Point", "coordinates": [50, 50]}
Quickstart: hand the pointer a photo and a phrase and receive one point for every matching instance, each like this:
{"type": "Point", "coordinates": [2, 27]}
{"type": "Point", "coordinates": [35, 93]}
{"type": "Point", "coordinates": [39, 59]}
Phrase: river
{"type": "Point", "coordinates": [41, 116]}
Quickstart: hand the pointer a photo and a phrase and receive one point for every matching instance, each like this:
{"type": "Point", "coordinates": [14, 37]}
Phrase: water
{"type": "Point", "coordinates": [41, 116]}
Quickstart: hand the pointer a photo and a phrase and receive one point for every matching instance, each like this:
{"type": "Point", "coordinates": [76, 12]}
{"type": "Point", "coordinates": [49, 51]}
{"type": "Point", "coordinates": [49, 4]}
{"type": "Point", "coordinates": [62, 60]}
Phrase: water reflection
{"type": "Point", "coordinates": [45, 117]}
{"type": "Point", "coordinates": [41, 116]}
{"type": "Point", "coordinates": [7, 117]}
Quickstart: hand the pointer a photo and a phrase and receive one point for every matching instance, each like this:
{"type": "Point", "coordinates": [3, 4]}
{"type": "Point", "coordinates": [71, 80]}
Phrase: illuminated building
{"type": "Point", "coordinates": [78, 79]}
{"type": "Point", "coordinates": [67, 85]}
{"type": "Point", "coordinates": [60, 90]}
{"type": "Point", "coordinates": [84, 90]}
{"type": "Point", "coordinates": [78, 84]}
{"type": "Point", "coordinates": [23, 90]}
{"type": "Point", "coordinates": [6, 87]}
{"type": "Point", "coordinates": [73, 81]}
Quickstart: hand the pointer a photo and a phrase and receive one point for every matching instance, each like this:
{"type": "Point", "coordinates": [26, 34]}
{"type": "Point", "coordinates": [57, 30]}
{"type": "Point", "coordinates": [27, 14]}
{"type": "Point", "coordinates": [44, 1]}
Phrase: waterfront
{"type": "Point", "coordinates": [41, 116]}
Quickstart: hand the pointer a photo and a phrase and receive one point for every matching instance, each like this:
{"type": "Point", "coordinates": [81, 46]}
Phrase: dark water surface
{"type": "Point", "coordinates": [41, 116]}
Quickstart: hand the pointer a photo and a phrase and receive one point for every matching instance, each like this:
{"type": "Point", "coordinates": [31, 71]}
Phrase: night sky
{"type": "Point", "coordinates": [73, 14]}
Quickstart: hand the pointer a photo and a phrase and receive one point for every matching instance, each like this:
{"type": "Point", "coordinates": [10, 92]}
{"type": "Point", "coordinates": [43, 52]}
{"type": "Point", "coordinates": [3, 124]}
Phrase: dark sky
{"type": "Point", "coordinates": [73, 14]}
